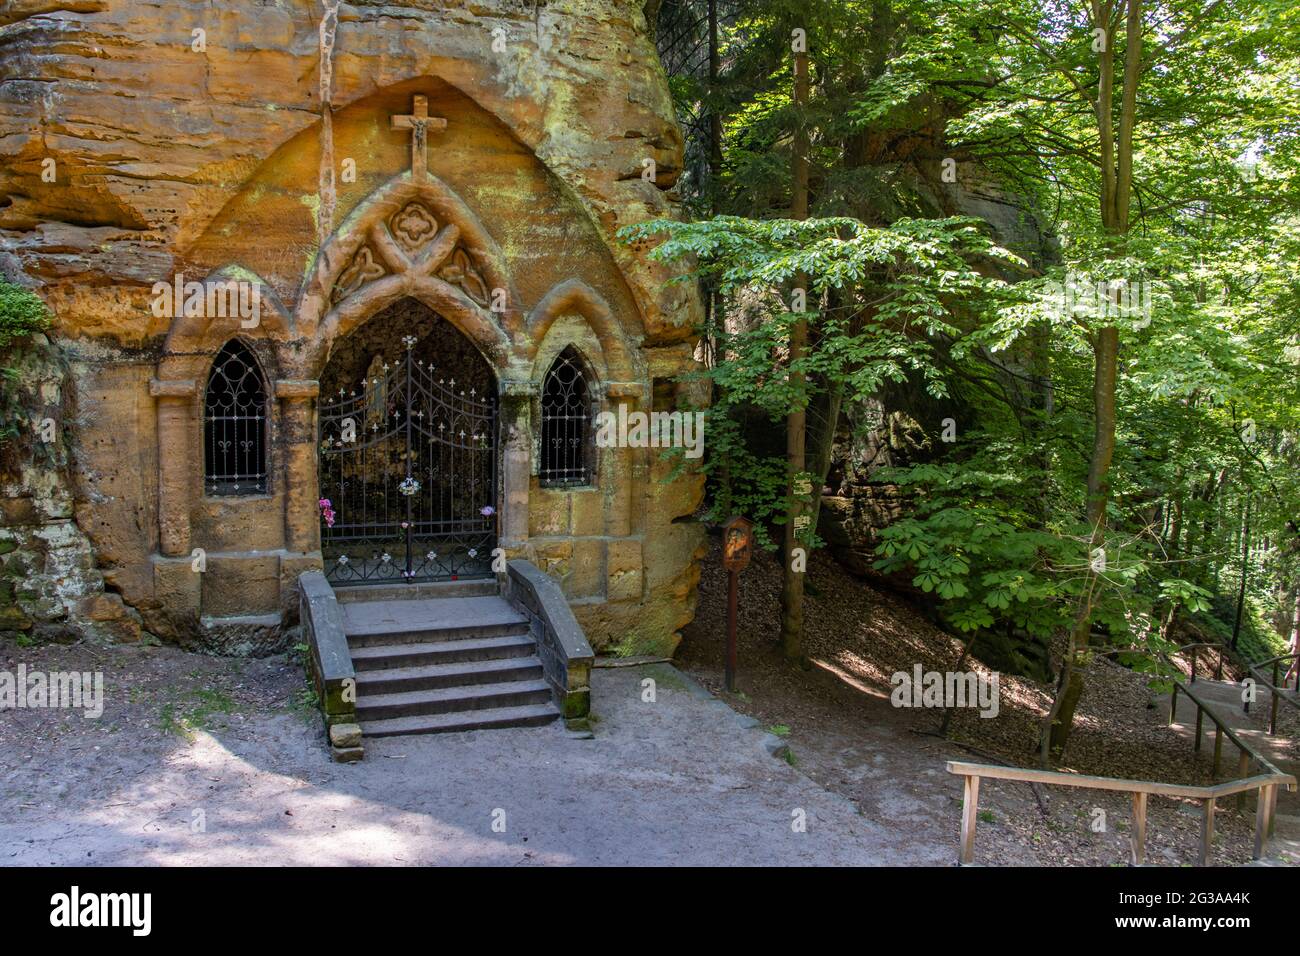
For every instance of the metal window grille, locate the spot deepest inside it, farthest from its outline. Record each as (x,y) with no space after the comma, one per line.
(566,423)
(234,424)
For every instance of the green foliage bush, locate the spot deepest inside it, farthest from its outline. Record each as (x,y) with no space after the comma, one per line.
(21,313)
(877,298)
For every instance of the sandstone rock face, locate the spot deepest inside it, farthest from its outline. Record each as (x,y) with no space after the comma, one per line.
(254,140)
(50,587)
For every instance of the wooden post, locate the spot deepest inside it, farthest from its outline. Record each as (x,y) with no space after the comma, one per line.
(1218,749)
(1200,717)
(1207,830)
(969,801)
(1272,810)
(1173,704)
(1138,855)
(729,666)
(1263,811)
(1243,768)
(1193,680)
(737,546)
(1272,717)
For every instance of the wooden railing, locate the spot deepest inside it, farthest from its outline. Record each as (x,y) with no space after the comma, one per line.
(1277,687)
(1193,648)
(1265,784)
(1245,753)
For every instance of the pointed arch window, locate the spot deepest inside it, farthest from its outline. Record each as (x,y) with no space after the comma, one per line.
(567,452)
(235,424)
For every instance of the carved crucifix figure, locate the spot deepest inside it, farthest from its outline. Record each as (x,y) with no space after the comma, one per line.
(419,122)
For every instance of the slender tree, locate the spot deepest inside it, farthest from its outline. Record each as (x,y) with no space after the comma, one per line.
(796,422)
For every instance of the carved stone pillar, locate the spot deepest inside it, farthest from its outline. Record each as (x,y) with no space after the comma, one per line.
(516,460)
(625,468)
(175,482)
(298,440)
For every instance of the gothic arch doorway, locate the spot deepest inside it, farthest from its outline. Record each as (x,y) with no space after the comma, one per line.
(407,450)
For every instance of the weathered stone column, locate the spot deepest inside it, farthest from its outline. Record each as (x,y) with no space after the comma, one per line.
(298,440)
(175,416)
(626,467)
(516,460)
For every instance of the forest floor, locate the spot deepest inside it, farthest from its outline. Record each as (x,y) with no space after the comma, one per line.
(844,732)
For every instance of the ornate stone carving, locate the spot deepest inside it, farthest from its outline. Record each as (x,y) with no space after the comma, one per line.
(460,271)
(410,242)
(363,268)
(412,226)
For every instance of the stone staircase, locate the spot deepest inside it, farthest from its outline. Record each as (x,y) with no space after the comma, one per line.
(443,657)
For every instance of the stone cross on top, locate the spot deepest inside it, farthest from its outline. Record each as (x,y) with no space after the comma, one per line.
(419,122)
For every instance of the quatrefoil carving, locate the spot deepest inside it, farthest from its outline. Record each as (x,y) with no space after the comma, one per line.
(412,226)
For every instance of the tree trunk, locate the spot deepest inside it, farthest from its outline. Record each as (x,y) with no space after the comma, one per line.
(651,10)
(823,442)
(715,173)
(1172,548)
(1070,689)
(797,420)
(1245,570)
(1116,188)
(1295,633)
(715,113)
(946,723)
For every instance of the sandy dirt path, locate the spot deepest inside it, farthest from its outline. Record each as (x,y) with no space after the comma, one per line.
(681,780)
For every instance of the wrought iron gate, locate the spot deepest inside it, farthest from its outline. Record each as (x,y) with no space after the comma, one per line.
(407,478)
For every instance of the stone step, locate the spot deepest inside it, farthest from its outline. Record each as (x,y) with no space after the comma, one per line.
(445,700)
(530,715)
(459,674)
(388,656)
(473,587)
(429,620)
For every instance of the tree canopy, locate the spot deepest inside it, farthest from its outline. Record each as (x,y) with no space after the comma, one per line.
(1124,356)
